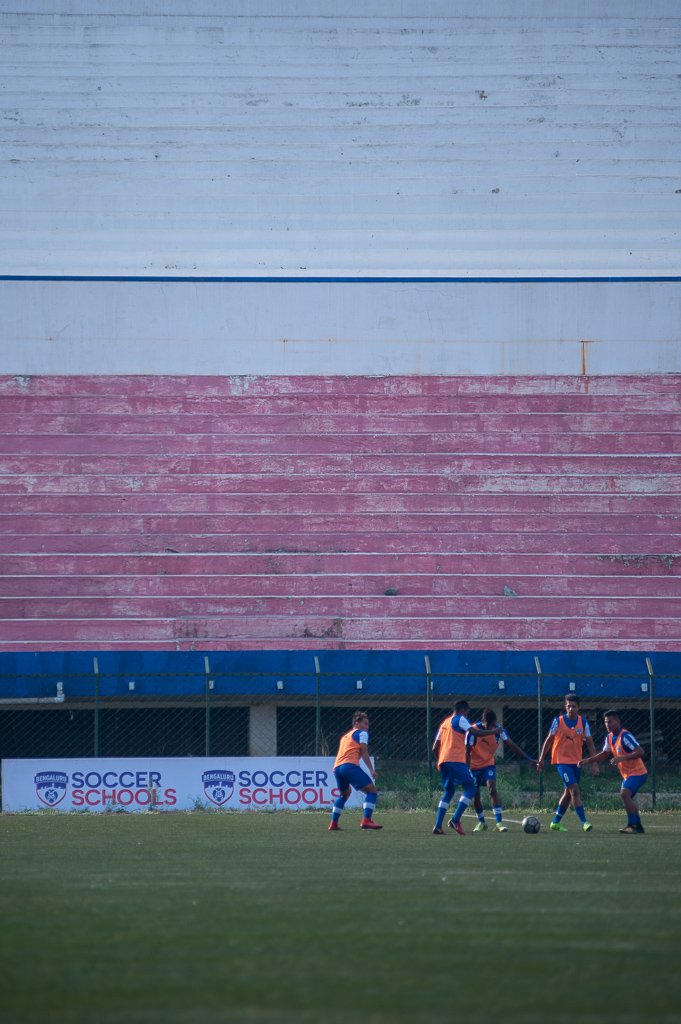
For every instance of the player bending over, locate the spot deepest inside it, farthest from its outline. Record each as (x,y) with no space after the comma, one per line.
(624,751)
(567,735)
(450,750)
(353,748)
(480,754)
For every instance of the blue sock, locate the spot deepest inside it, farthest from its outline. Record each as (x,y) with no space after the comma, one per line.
(581,813)
(442,809)
(445,801)
(637,819)
(560,811)
(337,808)
(481,815)
(369,804)
(461,807)
(497,813)
(631,819)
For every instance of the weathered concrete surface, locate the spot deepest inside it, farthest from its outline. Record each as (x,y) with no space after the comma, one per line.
(319,328)
(171,138)
(245,513)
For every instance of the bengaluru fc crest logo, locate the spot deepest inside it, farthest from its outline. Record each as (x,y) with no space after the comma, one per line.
(218,785)
(51,787)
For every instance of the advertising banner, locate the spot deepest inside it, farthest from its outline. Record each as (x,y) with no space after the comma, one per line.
(170,784)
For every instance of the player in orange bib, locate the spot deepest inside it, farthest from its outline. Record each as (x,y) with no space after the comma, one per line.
(450,749)
(353,748)
(567,735)
(480,754)
(624,751)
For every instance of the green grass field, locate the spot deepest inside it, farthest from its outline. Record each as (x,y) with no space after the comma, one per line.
(268,918)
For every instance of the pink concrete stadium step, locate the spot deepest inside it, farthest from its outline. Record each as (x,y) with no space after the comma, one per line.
(275,503)
(366,406)
(161,446)
(282,562)
(452,464)
(355,544)
(341,584)
(256,523)
(255,387)
(296,480)
(272,503)
(309,421)
(291,632)
(345,607)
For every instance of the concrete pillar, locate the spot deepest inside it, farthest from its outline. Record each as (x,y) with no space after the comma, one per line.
(262,730)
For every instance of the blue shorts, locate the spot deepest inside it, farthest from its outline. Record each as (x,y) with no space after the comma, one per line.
(456,773)
(351,775)
(483,775)
(634,783)
(570,774)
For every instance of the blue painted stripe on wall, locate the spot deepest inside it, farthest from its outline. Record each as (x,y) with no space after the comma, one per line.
(340,280)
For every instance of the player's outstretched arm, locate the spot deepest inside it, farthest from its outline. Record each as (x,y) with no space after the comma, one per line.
(590,746)
(497,731)
(604,754)
(548,743)
(364,756)
(521,753)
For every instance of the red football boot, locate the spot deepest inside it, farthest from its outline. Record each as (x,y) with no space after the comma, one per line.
(437,831)
(456,825)
(368,823)
(335,827)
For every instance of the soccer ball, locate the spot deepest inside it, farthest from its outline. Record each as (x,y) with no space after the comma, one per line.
(530,824)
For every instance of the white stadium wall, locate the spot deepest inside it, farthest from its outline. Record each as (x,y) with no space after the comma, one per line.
(341,327)
(300,307)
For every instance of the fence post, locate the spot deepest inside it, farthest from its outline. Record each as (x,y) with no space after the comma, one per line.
(96,668)
(651,688)
(540,723)
(206,665)
(318,716)
(429,721)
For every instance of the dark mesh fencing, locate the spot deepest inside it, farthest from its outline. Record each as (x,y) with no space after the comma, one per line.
(62,732)
(132,729)
(396,733)
(245,715)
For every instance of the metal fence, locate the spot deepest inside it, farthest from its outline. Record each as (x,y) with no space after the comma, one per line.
(242,714)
